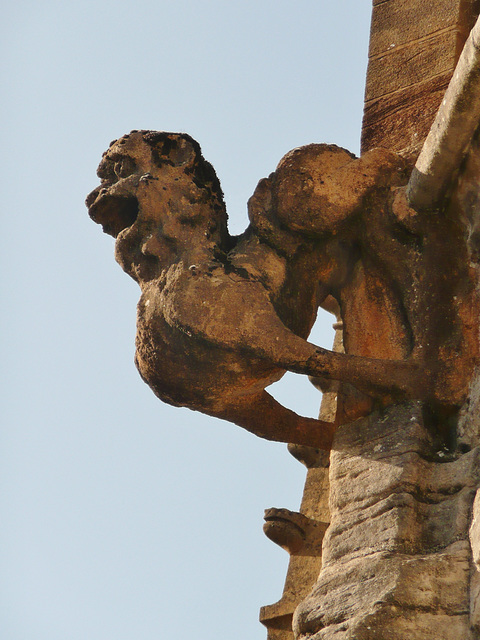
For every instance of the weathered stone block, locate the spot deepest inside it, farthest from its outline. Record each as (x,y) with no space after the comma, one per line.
(402,67)
(396,23)
(401,120)
(396,557)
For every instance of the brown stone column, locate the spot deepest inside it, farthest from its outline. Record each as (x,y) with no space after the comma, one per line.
(414,47)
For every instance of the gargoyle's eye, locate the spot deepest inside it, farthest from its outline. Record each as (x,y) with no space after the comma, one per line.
(124,167)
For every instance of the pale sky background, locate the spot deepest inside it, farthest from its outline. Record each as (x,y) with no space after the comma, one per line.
(121,517)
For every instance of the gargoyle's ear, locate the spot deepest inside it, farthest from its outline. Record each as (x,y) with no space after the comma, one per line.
(262,196)
(260,204)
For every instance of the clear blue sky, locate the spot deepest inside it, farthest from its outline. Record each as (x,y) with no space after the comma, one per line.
(121,517)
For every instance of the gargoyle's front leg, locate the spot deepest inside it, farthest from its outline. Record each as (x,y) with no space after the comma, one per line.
(402,379)
(265,417)
(390,379)
(395,379)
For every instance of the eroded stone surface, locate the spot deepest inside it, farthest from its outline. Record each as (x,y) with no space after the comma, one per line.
(397,557)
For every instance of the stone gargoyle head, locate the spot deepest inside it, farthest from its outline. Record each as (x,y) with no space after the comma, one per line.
(158,197)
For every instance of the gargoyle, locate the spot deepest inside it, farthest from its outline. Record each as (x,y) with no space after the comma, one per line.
(220,318)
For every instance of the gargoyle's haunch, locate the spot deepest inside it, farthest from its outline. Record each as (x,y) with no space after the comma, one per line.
(220,317)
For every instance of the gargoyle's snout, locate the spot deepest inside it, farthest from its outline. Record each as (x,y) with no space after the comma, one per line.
(294,532)
(114,212)
(285,528)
